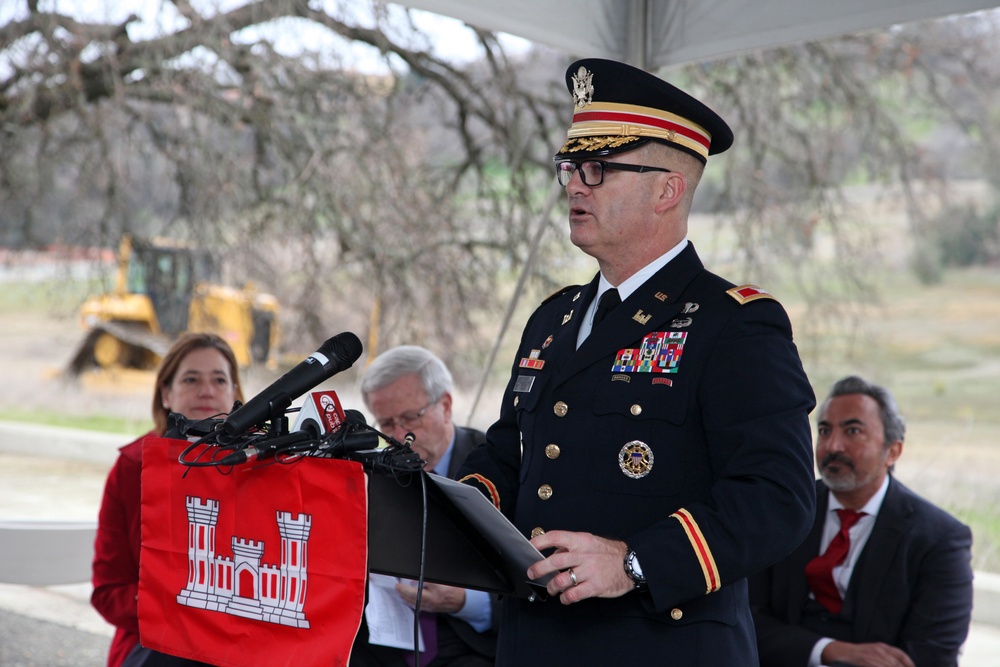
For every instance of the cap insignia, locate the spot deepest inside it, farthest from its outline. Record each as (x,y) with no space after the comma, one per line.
(583,87)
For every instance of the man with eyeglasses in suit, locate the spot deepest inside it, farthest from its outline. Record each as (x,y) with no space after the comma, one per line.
(408,391)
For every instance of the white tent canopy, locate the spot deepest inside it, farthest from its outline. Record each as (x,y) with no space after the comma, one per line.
(653,34)
(656,33)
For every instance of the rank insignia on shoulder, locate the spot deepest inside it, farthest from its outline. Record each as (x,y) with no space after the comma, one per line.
(747,293)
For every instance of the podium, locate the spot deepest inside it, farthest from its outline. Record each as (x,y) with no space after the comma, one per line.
(265,565)
(469,543)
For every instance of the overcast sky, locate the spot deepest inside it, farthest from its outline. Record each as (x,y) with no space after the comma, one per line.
(449,38)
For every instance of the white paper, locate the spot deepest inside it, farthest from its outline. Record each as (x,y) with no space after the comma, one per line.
(390,620)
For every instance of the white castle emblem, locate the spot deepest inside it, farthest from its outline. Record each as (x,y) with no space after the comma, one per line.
(242,585)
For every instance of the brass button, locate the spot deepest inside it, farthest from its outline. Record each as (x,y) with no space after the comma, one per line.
(560,409)
(517,399)
(537,530)
(676,614)
(636,410)
(552,451)
(545,492)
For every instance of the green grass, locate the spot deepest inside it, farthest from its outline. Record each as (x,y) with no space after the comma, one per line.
(985,525)
(102,423)
(56,296)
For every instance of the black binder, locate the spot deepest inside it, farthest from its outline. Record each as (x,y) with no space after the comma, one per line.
(469,542)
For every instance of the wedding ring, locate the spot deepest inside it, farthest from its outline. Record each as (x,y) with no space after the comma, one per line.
(572,577)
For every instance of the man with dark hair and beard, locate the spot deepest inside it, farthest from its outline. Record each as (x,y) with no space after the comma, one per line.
(884,577)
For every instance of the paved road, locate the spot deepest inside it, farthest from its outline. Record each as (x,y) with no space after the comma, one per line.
(29,642)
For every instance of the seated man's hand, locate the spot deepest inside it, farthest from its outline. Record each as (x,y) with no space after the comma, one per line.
(437,598)
(875,654)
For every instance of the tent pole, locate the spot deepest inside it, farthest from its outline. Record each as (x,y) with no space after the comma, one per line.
(637,37)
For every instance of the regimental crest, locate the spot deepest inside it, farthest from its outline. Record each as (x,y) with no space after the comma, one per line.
(243,585)
(635,459)
(583,87)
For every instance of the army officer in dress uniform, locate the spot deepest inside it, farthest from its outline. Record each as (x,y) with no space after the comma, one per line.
(653,440)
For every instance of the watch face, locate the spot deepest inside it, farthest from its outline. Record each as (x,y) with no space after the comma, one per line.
(630,567)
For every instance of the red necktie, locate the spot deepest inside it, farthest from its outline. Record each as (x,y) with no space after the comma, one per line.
(819,571)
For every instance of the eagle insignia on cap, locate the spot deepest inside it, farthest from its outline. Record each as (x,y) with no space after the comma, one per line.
(583,87)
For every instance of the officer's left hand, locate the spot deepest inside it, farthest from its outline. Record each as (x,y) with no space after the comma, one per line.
(437,598)
(596,563)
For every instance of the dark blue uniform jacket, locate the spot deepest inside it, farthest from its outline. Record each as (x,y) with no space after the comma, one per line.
(679,426)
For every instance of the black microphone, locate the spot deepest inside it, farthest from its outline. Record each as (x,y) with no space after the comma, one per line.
(353,436)
(335,355)
(266,448)
(355,418)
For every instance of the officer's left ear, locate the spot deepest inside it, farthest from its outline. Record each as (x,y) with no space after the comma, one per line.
(673,185)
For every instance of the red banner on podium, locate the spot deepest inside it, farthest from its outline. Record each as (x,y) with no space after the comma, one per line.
(263,566)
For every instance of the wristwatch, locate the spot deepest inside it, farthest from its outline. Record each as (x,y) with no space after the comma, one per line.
(634,571)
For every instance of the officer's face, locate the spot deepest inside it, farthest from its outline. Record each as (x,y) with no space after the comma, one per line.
(615,217)
(851,452)
(404,407)
(202,387)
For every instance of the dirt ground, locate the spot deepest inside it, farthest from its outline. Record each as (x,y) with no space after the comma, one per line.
(34,350)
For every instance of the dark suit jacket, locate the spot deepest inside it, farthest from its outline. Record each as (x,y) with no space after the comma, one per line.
(482,644)
(911,588)
(727,487)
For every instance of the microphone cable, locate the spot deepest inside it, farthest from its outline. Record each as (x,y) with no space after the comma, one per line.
(423,559)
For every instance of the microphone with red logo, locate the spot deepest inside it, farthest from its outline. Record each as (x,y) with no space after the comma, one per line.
(320,415)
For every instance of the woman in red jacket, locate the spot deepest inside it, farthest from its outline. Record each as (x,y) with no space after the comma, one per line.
(198,378)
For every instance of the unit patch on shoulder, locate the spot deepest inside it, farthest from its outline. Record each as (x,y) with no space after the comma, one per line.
(747,293)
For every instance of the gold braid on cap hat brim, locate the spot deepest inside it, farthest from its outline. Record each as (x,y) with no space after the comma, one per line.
(589,144)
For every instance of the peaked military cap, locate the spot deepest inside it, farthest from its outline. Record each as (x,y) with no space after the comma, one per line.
(618,108)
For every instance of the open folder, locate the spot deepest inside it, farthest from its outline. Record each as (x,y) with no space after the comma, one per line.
(469,542)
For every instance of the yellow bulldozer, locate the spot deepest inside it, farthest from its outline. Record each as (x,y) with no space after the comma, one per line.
(162,289)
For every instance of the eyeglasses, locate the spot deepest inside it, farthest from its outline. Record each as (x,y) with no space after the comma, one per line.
(407,420)
(592,171)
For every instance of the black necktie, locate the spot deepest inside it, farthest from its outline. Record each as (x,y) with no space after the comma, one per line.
(609,301)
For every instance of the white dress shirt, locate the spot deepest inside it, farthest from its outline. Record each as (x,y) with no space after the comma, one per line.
(859,534)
